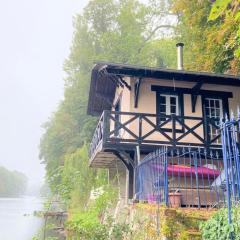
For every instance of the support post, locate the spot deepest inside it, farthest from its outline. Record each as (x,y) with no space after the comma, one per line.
(130,182)
(166,176)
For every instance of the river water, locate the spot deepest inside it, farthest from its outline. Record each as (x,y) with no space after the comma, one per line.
(16,218)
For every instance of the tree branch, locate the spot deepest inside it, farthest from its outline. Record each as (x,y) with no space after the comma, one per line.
(152,34)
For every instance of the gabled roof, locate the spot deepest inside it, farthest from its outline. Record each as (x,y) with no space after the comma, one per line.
(107,76)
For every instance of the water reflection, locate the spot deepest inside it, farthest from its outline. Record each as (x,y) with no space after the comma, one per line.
(16,218)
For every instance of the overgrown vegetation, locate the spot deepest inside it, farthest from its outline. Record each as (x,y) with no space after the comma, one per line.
(96,221)
(217,227)
(174,224)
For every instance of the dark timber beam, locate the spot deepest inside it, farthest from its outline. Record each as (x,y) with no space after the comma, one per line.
(130,167)
(104,74)
(194,102)
(126,156)
(195,92)
(115,79)
(137,85)
(166,74)
(124,82)
(207,93)
(117,154)
(118,80)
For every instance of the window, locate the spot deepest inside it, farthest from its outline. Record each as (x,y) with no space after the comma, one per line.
(214,110)
(169,104)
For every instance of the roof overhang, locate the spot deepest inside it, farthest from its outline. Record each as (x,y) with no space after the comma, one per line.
(107,76)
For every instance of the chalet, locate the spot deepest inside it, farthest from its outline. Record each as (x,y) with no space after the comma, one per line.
(143,109)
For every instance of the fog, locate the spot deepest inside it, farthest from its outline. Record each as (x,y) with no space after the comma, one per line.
(35,38)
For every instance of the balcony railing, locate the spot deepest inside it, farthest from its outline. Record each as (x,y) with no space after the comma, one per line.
(128,129)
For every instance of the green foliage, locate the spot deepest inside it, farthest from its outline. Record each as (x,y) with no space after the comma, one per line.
(119,231)
(211,34)
(193,30)
(12,183)
(77,179)
(87,224)
(218,8)
(217,227)
(228,14)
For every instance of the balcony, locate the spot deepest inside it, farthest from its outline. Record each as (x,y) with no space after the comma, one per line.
(125,130)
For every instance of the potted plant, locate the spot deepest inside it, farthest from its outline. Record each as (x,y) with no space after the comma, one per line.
(175,199)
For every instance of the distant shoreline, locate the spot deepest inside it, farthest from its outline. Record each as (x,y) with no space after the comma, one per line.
(21,197)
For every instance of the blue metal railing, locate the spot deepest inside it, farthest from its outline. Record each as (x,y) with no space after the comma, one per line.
(151,178)
(230,135)
(194,177)
(187,177)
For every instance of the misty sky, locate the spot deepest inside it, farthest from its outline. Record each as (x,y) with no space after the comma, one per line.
(35,36)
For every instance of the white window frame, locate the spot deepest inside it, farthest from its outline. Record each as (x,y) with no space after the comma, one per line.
(168,103)
(212,132)
(220,106)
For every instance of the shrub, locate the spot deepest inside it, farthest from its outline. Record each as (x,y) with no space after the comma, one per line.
(86,224)
(217,227)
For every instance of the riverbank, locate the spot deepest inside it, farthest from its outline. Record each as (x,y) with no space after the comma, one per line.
(53,218)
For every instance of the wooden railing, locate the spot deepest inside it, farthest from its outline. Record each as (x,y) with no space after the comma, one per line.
(97,136)
(151,129)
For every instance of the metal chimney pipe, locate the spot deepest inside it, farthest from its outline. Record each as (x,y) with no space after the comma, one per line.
(179,56)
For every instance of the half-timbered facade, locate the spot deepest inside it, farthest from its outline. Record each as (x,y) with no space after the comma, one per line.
(141,109)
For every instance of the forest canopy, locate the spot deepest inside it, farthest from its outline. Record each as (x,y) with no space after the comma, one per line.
(12,183)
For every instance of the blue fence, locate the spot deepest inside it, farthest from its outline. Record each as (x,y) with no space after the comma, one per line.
(230,136)
(188,177)
(151,178)
(193,177)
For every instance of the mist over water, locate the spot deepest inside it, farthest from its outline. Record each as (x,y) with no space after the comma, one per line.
(35,40)
(16,218)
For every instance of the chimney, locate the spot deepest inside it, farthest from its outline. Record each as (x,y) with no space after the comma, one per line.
(179,56)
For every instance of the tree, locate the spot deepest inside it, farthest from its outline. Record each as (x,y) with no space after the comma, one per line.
(228,13)
(12,183)
(210,45)
(107,30)
(193,29)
